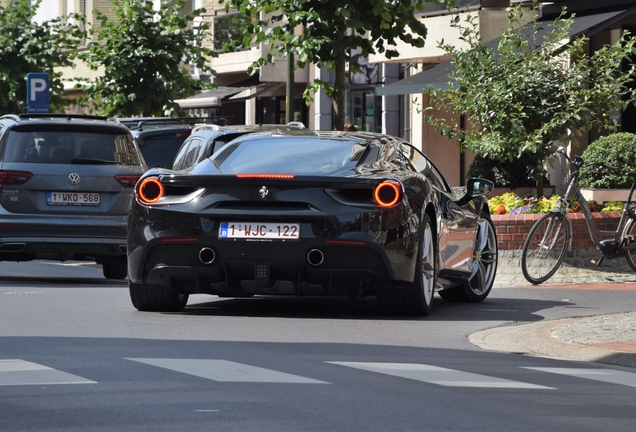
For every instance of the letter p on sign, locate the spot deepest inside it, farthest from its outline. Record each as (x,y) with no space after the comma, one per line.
(37,85)
(37,93)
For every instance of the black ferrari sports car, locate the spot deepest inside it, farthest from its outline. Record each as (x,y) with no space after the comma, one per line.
(310,213)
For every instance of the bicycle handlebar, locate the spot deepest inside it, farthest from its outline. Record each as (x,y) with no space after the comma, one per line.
(578,161)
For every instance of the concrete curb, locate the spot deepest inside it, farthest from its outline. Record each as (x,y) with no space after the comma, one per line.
(537,339)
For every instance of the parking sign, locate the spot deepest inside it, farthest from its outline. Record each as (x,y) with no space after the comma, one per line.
(37,93)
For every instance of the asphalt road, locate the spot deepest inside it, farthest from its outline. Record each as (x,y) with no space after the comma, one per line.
(75,355)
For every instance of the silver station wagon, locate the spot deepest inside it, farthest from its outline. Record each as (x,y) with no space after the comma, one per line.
(66,183)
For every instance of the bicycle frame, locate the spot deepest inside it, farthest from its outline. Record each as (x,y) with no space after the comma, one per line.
(597,236)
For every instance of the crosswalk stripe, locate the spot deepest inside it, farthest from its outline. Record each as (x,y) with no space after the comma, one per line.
(440,376)
(226,371)
(604,375)
(20,372)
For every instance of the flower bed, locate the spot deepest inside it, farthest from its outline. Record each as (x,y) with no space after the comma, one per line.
(511,203)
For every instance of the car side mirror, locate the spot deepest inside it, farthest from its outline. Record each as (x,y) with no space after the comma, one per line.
(477,187)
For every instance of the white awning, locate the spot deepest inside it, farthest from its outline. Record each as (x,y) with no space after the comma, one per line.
(209,98)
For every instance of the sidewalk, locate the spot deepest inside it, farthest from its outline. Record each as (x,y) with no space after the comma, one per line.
(607,339)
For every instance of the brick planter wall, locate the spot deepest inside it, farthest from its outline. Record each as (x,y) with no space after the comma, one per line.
(512,230)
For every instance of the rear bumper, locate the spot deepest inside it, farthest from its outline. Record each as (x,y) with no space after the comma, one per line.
(60,248)
(25,237)
(312,267)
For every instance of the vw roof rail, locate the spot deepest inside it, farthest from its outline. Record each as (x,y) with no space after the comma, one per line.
(63,115)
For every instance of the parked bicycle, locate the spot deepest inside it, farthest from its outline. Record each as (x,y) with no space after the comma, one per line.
(551,236)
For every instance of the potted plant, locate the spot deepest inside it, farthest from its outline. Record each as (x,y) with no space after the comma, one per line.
(618,150)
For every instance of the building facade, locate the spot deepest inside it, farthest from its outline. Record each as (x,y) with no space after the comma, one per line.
(602,23)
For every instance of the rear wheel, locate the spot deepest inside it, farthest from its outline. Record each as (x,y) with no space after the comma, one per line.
(156,298)
(416,298)
(115,270)
(485,258)
(545,247)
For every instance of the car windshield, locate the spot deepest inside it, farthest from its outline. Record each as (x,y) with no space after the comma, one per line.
(70,146)
(289,156)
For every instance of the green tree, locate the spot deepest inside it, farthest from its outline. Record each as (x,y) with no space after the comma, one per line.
(27,46)
(327,32)
(531,89)
(148,57)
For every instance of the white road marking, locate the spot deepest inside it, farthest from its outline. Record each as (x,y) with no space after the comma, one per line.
(440,376)
(20,372)
(604,375)
(226,371)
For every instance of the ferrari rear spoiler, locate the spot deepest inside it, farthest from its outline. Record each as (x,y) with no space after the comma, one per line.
(199,181)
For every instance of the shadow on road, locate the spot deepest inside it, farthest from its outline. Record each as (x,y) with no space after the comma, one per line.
(495,309)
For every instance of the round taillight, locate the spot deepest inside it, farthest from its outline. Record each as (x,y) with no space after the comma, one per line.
(388,193)
(150,190)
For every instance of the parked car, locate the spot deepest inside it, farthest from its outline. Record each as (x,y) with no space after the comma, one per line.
(160,145)
(159,138)
(66,184)
(206,139)
(305,213)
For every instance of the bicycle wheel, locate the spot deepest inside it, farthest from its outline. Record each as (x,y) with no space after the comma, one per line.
(545,247)
(630,255)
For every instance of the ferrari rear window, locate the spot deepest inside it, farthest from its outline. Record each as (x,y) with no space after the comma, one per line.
(289,156)
(70,146)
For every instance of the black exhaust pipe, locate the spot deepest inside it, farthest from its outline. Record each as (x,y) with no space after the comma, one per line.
(315,257)
(207,255)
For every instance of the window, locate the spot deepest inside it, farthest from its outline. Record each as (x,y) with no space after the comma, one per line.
(160,151)
(289,156)
(66,146)
(424,166)
(229,27)
(188,154)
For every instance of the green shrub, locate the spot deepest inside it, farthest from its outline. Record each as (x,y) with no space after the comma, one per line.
(617,150)
(507,174)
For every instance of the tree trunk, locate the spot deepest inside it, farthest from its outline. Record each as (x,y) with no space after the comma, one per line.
(147,109)
(540,185)
(338,97)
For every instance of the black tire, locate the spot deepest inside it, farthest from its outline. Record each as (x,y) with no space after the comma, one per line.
(415,299)
(630,255)
(156,298)
(485,259)
(544,249)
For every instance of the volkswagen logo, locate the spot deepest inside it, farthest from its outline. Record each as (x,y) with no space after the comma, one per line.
(73,178)
(263,191)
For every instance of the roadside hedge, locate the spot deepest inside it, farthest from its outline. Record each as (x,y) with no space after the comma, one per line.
(506,174)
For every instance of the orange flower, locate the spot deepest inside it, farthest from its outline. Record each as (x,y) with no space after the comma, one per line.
(501,209)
